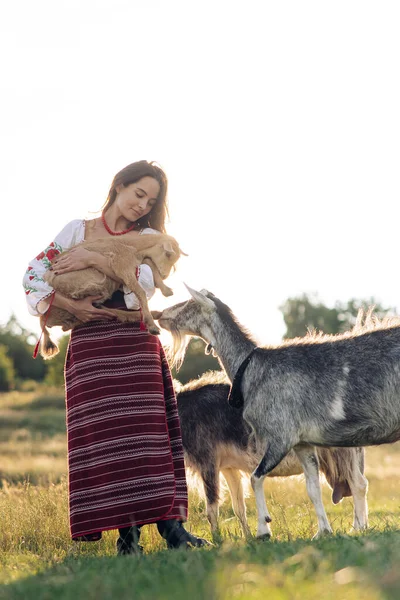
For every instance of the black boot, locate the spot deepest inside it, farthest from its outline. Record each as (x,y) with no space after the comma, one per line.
(128,541)
(176,535)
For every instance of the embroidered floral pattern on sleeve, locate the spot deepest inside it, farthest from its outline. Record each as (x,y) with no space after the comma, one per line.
(31,277)
(49,253)
(45,258)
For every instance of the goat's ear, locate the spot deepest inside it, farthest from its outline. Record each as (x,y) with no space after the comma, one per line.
(168,248)
(200,298)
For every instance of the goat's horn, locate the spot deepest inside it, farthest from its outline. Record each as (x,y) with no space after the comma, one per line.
(200,297)
(183,253)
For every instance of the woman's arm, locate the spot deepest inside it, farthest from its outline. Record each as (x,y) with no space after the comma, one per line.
(79,258)
(37,291)
(83,309)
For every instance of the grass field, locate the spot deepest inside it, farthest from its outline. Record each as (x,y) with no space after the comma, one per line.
(38,559)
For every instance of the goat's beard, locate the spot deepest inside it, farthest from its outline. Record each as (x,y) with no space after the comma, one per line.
(177,350)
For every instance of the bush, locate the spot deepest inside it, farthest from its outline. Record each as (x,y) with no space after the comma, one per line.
(27,385)
(20,344)
(55,366)
(7,371)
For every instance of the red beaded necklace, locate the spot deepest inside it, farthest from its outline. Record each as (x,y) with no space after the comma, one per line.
(111,232)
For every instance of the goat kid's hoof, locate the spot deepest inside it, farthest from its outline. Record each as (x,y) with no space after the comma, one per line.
(168,292)
(153,329)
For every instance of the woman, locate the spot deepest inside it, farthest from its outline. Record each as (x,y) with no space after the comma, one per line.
(125,456)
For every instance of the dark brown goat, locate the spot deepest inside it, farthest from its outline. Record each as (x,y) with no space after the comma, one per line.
(217,440)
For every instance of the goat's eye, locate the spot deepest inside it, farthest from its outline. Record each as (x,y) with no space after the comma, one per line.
(168,254)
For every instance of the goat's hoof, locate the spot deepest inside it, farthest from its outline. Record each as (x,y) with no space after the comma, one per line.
(217,537)
(168,292)
(323,533)
(264,537)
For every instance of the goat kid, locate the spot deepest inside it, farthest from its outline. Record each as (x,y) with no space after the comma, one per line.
(159,251)
(216,439)
(341,390)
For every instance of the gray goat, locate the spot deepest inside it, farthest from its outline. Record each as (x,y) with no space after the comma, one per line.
(216,439)
(341,390)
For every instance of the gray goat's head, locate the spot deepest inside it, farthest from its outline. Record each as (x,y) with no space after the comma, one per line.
(187,319)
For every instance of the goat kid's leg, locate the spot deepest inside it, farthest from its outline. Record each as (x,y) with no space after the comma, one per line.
(233,478)
(158,281)
(309,460)
(147,316)
(122,267)
(359,487)
(275,452)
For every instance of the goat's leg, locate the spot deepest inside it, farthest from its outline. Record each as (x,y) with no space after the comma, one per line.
(309,461)
(210,477)
(359,487)
(234,480)
(122,267)
(158,282)
(275,452)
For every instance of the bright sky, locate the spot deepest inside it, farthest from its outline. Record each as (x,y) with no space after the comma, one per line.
(278,124)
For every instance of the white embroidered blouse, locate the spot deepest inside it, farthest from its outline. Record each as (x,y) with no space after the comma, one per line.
(38,292)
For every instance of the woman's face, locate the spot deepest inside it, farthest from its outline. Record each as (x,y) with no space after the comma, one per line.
(137,199)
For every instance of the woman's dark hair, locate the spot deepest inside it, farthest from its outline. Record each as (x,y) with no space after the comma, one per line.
(131,174)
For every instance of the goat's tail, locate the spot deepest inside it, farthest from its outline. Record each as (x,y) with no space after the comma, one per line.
(48,348)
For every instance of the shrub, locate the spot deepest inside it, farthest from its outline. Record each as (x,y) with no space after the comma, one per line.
(7,371)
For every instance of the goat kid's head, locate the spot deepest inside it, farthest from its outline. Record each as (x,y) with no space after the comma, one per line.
(165,255)
(186,319)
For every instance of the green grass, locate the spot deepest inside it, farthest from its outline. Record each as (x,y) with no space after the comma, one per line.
(32,437)
(38,559)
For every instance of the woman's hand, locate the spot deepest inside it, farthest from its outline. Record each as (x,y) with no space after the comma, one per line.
(85,311)
(76,259)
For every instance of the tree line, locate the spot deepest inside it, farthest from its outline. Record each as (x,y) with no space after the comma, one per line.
(18,369)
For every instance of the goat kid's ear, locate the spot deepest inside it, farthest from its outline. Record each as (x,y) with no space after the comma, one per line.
(200,297)
(168,247)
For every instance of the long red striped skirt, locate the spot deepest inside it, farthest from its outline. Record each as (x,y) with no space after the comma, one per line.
(125,456)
